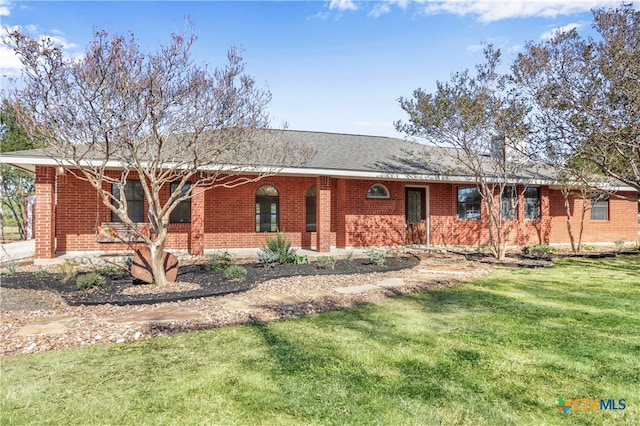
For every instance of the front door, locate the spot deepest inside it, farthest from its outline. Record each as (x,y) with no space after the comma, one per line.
(416,216)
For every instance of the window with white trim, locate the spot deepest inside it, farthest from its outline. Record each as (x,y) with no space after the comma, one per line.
(532,203)
(600,209)
(378,190)
(267,209)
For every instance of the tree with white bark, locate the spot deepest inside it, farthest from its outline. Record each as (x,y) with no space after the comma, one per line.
(157,116)
(482,118)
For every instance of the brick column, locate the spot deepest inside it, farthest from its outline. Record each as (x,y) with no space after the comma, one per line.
(44,214)
(196,244)
(323,214)
(341,213)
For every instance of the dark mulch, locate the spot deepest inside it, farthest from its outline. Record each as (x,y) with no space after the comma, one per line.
(212,283)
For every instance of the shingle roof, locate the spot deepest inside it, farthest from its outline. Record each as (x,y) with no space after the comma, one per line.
(338,155)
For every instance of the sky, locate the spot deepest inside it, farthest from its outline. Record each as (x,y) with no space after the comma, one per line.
(335,66)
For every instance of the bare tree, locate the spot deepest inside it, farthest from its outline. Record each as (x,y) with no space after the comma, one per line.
(482,119)
(584,95)
(162,119)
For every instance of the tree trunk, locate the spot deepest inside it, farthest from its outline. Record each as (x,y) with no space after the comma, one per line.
(157,263)
(567,207)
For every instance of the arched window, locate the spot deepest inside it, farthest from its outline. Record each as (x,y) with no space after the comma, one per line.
(311,209)
(378,191)
(267,209)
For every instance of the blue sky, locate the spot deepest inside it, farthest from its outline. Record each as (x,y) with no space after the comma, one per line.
(332,66)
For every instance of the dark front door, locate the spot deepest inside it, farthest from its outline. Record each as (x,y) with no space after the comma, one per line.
(416,216)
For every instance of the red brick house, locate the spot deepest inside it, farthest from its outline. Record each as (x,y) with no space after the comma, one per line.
(357,191)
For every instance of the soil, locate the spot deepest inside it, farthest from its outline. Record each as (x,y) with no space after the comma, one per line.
(99,315)
(193,281)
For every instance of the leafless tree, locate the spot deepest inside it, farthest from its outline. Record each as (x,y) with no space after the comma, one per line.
(482,119)
(584,95)
(156,115)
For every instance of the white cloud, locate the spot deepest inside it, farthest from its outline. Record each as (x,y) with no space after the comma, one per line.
(475,48)
(343,5)
(4,8)
(379,10)
(10,65)
(564,29)
(495,10)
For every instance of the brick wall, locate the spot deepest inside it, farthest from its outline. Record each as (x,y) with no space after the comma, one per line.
(225,218)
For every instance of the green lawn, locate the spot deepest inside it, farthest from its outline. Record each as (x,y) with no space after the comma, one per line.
(500,350)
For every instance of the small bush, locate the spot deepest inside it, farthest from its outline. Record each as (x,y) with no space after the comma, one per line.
(12,268)
(636,247)
(587,247)
(277,250)
(220,261)
(109,269)
(41,274)
(267,257)
(234,272)
(349,256)
(67,270)
(377,257)
(539,250)
(325,262)
(90,280)
(619,244)
(300,260)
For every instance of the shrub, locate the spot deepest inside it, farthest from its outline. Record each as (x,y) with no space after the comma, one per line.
(377,257)
(267,257)
(234,272)
(539,250)
(90,280)
(12,268)
(67,269)
(109,269)
(325,262)
(300,260)
(636,247)
(619,244)
(220,261)
(277,250)
(349,256)
(42,274)
(588,247)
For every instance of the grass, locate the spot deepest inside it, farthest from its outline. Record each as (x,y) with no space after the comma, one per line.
(500,350)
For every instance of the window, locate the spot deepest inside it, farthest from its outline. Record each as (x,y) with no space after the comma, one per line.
(600,209)
(378,191)
(532,203)
(134,195)
(509,203)
(469,203)
(182,212)
(267,209)
(311,209)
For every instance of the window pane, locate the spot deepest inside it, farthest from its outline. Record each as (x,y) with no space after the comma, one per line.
(182,212)
(509,203)
(468,203)
(600,210)
(134,195)
(532,203)
(378,191)
(267,209)
(311,209)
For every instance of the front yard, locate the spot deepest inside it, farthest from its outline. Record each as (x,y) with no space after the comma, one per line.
(499,350)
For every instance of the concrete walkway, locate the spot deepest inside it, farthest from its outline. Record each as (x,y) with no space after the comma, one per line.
(17,251)
(59,324)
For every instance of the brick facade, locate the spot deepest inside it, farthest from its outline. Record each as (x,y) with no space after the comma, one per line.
(68,212)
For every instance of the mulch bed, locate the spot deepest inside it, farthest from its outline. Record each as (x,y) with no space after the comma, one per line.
(211,283)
